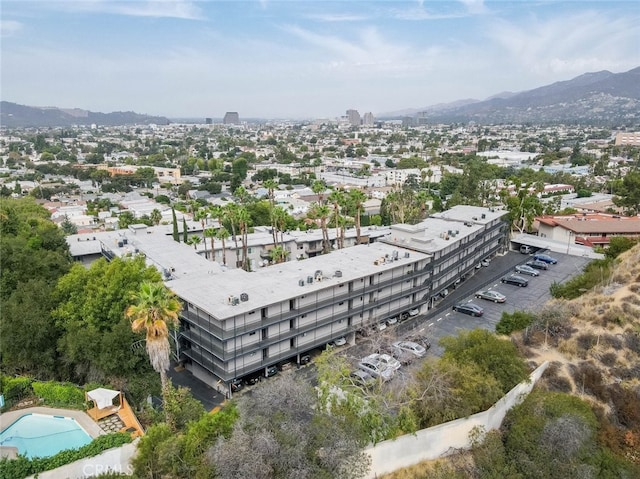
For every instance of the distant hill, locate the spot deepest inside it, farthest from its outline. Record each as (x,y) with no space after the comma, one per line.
(14,115)
(600,98)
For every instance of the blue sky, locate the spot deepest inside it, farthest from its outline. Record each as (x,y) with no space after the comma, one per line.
(301,59)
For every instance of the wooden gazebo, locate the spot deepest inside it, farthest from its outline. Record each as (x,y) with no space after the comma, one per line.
(102,399)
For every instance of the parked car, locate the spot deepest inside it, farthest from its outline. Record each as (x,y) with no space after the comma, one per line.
(236,384)
(376,369)
(534,263)
(515,280)
(305,359)
(385,359)
(392,321)
(362,378)
(410,347)
(382,326)
(491,295)
(271,371)
(525,249)
(526,269)
(468,308)
(414,312)
(485,262)
(340,341)
(545,257)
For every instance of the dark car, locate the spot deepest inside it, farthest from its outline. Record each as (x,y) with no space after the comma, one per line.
(534,263)
(545,257)
(271,371)
(515,280)
(524,269)
(236,384)
(469,308)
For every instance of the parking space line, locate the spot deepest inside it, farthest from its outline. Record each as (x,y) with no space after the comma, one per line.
(447,314)
(430,324)
(439,319)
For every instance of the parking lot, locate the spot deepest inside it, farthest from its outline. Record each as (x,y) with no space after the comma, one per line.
(443,321)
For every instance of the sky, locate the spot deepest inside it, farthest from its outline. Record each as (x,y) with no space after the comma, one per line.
(301,59)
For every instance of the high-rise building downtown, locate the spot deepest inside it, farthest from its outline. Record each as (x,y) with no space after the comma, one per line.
(231,118)
(353,117)
(368,119)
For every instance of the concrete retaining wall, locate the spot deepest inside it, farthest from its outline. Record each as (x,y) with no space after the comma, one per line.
(438,441)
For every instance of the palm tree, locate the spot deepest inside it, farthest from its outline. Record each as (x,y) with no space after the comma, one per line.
(337,199)
(357,198)
(243,224)
(222,234)
(210,233)
(322,212)
(318,187)
(195,241)
(154,311)
(271,185)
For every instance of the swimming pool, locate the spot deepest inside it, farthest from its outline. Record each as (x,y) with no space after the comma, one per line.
(39,435)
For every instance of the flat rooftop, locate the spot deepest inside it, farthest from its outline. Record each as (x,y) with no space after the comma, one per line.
(210,290)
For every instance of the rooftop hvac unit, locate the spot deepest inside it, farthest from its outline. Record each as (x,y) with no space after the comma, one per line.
(124,241)
(483,216)
(395,254)
(407,254)
(318,275)
(301,282)
(309,279)
(244,297)
(338,274)
(233,300)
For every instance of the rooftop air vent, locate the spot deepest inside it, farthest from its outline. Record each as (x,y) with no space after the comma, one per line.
(244,297)
(309,279)
(483,216)
(407,254)
(301,282)
(338,274)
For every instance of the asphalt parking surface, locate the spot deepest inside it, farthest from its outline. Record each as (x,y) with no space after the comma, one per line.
(442,321)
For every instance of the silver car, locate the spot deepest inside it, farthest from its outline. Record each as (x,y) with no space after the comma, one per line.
(410,347)
(376,369)
(385,359)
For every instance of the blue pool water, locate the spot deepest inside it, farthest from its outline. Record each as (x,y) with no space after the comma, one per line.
(38,435)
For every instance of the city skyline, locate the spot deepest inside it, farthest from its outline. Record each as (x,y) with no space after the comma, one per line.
(280,59)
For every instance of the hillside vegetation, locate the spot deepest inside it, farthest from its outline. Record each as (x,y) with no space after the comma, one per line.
(583,418)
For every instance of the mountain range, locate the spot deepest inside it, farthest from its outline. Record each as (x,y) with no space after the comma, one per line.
(600,98)
(14,115)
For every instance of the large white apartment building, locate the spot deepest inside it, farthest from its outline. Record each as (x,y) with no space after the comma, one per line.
(236,323)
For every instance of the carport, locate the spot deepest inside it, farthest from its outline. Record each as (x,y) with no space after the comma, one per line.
(538,243)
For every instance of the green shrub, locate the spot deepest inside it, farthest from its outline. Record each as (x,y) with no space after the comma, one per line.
(595,273)
(16,388)
(514,322)
(59,394)
(22,466)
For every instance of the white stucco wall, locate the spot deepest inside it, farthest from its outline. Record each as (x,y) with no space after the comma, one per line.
(438,441)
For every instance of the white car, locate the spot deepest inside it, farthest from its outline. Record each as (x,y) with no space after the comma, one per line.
(385,359)
(392,321)
(414,312)
(376,369)
(340,341)
(382,326)
(411,347)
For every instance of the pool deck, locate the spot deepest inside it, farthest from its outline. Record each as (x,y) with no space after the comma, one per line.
(81,417)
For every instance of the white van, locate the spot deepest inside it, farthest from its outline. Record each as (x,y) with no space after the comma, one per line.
(525,249)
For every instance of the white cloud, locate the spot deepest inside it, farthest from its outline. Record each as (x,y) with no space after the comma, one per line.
(182,9)
(9,28)
(570,44)
(474,6)
(337,17)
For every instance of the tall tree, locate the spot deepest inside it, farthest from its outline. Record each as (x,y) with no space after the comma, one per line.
(210,233)
(176,236)
(337,199)
(155,216)
(222,234)
(155,309)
